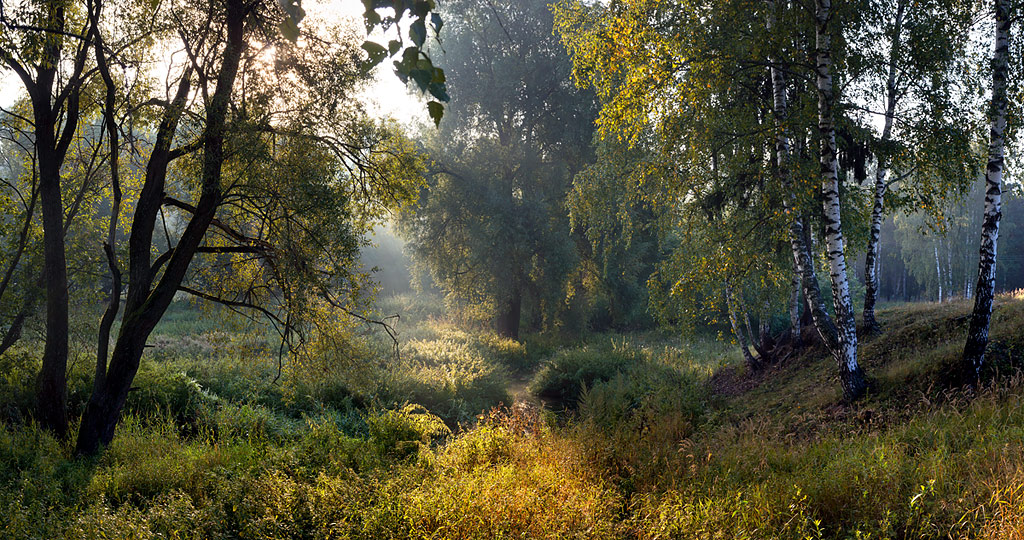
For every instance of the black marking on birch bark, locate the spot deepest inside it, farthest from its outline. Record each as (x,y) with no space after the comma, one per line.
(850,373)
(973,357)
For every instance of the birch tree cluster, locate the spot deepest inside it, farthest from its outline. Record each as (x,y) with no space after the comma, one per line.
(789,146)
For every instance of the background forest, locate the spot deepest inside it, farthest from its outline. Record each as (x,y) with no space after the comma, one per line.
(632,269)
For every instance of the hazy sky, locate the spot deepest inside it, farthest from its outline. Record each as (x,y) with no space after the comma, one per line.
(386,97)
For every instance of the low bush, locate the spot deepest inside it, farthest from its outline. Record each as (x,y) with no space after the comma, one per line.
(400,433)
(450,376)
(563,377)
(655,449)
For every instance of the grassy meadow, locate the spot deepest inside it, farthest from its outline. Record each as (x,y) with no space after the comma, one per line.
(468,435)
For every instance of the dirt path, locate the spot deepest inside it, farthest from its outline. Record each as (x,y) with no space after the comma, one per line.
(518,387)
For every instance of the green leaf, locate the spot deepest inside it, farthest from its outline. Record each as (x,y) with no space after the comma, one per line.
(394,46)
(289,29)
(376,52)
(436,111)
(422,78)
(370,17)
(403,75)
(436,22)
(418,32)
(439,91)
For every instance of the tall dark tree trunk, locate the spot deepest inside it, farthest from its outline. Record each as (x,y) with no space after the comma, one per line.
(51,384)
(845,353)
(55,115)
(508,320)
(977,335)
(145,306)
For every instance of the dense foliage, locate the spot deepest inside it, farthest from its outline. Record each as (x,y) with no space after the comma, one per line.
(642,269)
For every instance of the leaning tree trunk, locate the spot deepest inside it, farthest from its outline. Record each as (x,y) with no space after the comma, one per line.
(846,353)
(145,306)
(114,300)
(13,332)
(877,209)
(977,335)
(737,329)
(799,238)
(761,343)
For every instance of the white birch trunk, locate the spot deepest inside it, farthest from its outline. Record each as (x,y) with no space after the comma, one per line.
(950,287)
(977,335)
(794,309)
(799,240)
(849,371)
(877,210)
(730,305)
(938,269)
(763,323)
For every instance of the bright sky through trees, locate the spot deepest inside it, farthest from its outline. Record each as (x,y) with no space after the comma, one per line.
(387,96)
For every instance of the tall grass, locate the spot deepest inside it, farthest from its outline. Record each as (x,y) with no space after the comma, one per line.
(658,439)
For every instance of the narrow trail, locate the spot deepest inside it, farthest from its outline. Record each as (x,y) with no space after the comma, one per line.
(518,388)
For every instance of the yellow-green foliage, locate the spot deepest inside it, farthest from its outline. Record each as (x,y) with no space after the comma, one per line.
(508,478)
(565,376)
(675,445)
(453,373)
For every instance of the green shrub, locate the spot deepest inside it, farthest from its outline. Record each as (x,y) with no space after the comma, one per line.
(563,377)
(99,522)
(18,369)
(164,388)
(449,376)
(486,445)
(403,432)
(325,448)
(149,458)
(252,422)
(501,479)
(273,506)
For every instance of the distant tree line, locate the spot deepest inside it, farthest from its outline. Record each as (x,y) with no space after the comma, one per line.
(723,162)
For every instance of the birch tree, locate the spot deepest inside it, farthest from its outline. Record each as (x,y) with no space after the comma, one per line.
(881,185)
(973,357)
(697,77)
(913,82)
(799,238)
(850,373)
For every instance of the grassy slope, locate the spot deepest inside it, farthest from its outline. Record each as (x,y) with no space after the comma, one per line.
(659,448)
(914,459)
